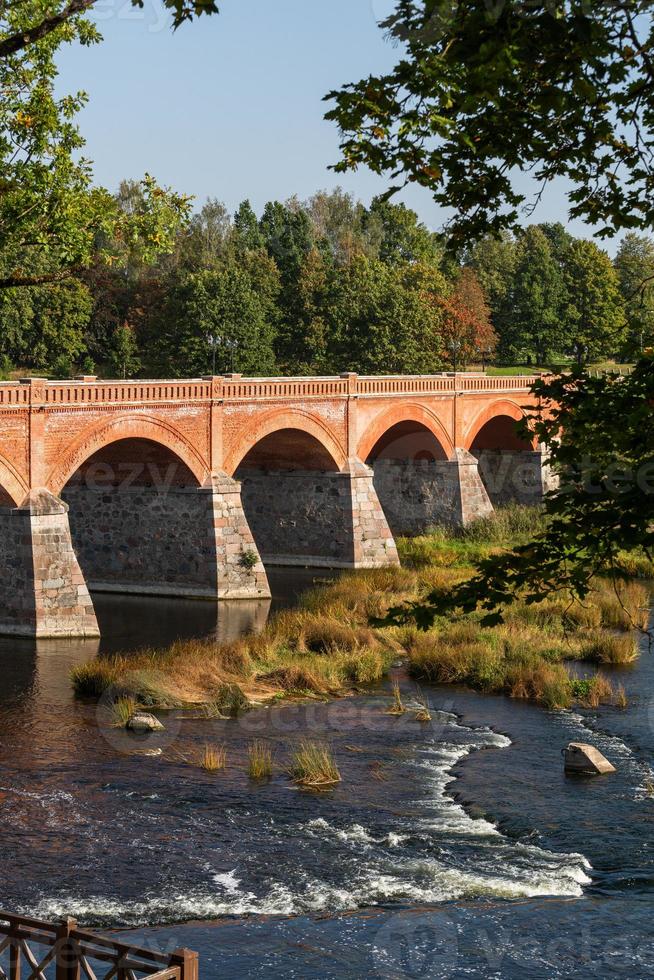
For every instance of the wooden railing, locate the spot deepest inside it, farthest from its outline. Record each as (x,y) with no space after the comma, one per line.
(35,950)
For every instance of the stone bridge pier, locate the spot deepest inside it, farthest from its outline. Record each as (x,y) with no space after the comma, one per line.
(191,488)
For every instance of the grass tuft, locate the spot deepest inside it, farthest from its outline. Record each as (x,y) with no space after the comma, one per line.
(122,710)
(610,648)
(92,679)
(213,758)
(313,766)
(397,707)
(621,699)
(260,763)
(423,714)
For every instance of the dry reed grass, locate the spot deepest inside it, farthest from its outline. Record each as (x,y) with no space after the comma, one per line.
(260,761)
(313,766)
(213,758)
(328,647)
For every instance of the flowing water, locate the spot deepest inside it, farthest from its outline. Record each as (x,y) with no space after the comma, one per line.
(452,849)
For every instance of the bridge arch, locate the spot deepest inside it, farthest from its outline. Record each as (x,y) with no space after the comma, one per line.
(13,488)
(308,430)
(140,509)
(400,416)
(511,467)
(495,424)
(128,427)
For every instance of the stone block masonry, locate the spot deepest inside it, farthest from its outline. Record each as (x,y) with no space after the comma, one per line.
(42,588)
(515,477)
(310,517)
(192,542)
(419,494)
(169,518)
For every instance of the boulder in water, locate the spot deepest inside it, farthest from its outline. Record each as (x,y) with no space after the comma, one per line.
(142,721)
(586,759)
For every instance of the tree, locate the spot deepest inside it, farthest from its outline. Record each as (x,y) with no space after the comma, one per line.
(313,291)
(467,329)
(44,327)
(204,241)
(532,321)
(247,234)
(39,20)
(556,88)
(595,309)
(53,222)
(386,319)
(338,225)
(229,311)
(600,439)
(402,236)
(634,265)
(124,353)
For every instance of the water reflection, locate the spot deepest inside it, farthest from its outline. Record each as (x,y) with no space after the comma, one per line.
(35,673)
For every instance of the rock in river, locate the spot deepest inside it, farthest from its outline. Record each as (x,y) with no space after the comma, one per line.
(583,758)
(144,722)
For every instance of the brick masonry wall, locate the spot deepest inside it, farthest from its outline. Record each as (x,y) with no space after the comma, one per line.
(320,518)
(42,588)
(179,541)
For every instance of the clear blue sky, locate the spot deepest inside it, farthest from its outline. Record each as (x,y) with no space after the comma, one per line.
(231,106)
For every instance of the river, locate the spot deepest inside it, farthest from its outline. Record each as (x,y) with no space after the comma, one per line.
(455,849)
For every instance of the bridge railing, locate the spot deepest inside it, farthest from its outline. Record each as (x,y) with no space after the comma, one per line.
(61,951)
(90,392)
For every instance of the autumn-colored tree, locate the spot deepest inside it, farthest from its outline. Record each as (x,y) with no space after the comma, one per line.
(467,329)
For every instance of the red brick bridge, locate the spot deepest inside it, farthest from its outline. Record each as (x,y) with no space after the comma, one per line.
(192,487)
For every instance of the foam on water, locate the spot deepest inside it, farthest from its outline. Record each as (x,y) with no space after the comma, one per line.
(440,853)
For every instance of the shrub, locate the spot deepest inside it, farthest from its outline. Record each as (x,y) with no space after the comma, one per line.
(231,701)
(248,559)
(366,667)
(295,677)
(325,636)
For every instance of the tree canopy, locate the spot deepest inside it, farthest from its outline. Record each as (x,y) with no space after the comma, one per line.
(555,88)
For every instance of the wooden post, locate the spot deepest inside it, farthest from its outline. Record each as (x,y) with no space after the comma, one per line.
(188,962)
(14,961)
(68,965)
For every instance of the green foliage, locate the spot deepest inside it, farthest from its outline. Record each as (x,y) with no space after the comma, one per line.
(230,309)
(634,265)
(559,89)
(43,327)
(124,358)
(594,308)
(248,559)
(53,222)
(598,433)
(535,299)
